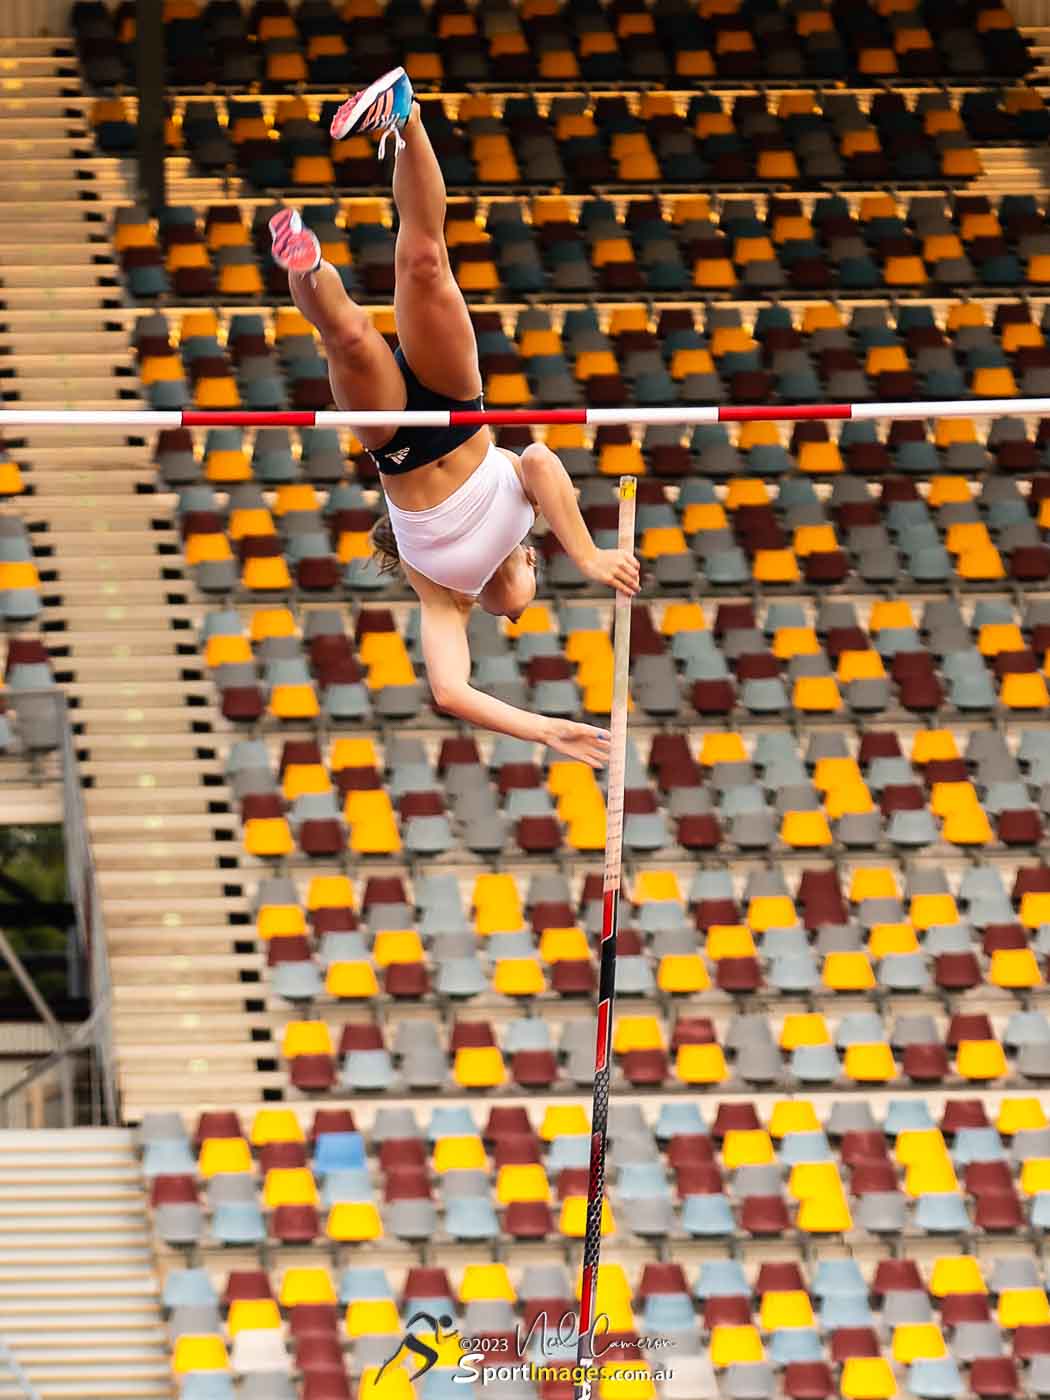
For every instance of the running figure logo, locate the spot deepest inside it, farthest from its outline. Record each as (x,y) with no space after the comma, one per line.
(417,1346)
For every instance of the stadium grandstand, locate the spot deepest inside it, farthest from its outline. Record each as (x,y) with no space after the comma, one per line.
(298,1045)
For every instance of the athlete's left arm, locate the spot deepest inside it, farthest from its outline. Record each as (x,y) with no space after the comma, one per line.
(549,487)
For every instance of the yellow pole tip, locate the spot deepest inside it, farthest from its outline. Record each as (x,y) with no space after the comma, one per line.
(628,486)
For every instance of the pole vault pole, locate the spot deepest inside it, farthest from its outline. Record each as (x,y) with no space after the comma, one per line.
(592,1240)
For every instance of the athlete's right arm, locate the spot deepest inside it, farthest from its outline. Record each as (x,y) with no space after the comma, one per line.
(446,654)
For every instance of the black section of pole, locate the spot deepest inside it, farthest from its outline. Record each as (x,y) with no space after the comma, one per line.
(150,80)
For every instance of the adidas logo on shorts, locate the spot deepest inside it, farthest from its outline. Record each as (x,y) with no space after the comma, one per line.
(399,456)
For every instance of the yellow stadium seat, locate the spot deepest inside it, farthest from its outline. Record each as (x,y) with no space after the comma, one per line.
(397,946)
(268,838)
(694,63)
(572,1220)
(275,1125)
(518,977)
(459,1154)
(952,430)
(825,1214)
(816,695)
(867,1377)
(994,382)
(872,882)
(820,458)
(289,1186)
(280,920)
(713,274)
(1023,1307)
(890,613)
(729,941)
(266,575)
(1014,969)
(391,1384)
(735,1346)
(1035,1175)
(722,747)
(306,1038)
(479,1067)
(564,945)
(791,1308)
(833,772)
(931,744)
(915,1145)
(795,641)
(848,972)
(486,1282)
(637,1033)
(661,540)
(200,549)
(981,1060)
(701,1064)
(253,1315)
(222,1156)
(869,1064)
(815,539)
(700,516)
(294,702)
(351,981)
(1024,692)
(775,566)
(564,1120)
(926,910)
(793,1116)
(805,830)
(956,1273)
(333,891)
(682,973)
(771,911)
(803,1028)
(306,1285)
(1017,1114)
(967,826)
(1035,909)
(888,939)
(747,1147)
(961,163)
(354,1222)
(206,1352)
(372,1317)
(373,827)
(527,1182)
(301,778)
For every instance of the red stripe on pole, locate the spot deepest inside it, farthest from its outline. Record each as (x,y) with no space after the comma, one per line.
(478,417)
(586,1298)
(767,413)
(609,912)
(602,1038)
(223,418)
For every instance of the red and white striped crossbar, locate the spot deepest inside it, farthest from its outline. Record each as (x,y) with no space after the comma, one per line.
(685,415)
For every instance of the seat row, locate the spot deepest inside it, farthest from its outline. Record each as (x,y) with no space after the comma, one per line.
(328,46)
(954,1315)
(663,252)
(660,137)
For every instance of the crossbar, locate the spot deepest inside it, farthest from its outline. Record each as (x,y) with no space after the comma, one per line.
(685,414)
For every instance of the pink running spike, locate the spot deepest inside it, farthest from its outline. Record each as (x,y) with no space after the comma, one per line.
(295,248)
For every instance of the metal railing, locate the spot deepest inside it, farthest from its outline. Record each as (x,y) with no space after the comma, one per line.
(8,1358)
(42,725)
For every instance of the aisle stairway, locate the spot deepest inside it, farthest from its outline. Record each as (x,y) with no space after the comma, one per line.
(79,1307)
(115,594)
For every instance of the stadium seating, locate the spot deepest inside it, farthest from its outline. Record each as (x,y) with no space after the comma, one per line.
(746,245)
(828,1148)
(327,46)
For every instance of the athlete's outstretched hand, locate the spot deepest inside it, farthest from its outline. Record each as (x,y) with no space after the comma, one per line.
(616,568)
(580,741)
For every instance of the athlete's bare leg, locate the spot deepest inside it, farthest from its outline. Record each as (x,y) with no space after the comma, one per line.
(433,324)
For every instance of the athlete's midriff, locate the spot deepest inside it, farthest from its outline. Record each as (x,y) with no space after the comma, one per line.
(433,483)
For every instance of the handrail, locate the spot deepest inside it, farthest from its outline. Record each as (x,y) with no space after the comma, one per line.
(29,1390)
(87,906)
